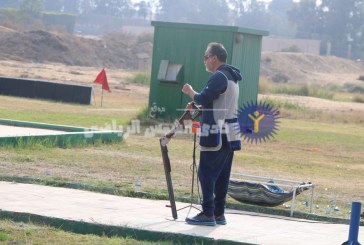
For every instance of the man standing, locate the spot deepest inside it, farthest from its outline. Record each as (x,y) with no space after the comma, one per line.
(220,133)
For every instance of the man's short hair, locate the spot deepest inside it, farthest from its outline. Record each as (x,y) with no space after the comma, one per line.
(219,50)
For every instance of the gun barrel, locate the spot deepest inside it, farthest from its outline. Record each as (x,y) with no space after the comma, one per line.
(167,170)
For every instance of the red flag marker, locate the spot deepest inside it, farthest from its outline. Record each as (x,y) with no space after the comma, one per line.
(102,79)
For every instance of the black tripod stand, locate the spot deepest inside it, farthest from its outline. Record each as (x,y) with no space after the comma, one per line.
(195,127)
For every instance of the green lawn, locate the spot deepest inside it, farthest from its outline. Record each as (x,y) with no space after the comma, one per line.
(328,154)
(27,233)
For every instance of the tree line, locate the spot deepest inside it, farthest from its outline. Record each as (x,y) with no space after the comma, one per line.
(338,24)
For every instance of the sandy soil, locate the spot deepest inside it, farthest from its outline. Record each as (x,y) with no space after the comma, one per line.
(127,52)
(119,86)
(319,104)
(311,69)
(116,50)
(117,78)
(74,59)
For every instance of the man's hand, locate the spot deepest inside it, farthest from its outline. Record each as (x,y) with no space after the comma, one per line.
(192,111)
(187,89)
(188,106)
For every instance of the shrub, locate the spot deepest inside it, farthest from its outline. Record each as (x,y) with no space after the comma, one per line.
(280,78)
(323,93)
(145,37)
(352,88)
(3,236)
(358,98)
(140,78)
(263,85)
(67,21)
(267,60)
(281,104)
(301,90)
(293,49)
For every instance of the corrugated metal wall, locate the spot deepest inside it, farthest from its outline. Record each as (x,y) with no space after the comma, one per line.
(186,44)
(246,56)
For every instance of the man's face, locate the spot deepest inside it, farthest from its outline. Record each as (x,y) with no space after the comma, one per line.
(208,60)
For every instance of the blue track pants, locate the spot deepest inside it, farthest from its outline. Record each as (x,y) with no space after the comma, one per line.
(214,174)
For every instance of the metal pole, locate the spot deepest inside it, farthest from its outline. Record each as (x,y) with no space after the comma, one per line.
(93,95)
(292,203)
(193,166)
(102,96)
(354,224)
(311,203)
(267,178)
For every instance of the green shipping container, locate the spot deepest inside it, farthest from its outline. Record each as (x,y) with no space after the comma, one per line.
(178,59)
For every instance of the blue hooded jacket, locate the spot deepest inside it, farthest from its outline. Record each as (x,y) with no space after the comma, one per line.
(216,85)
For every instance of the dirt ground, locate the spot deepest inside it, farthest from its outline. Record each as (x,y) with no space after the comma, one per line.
(69,58)
(320,104)
(114,50)
(128,52)
(311,69)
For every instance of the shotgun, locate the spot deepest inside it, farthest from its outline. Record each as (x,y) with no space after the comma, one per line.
(191,113)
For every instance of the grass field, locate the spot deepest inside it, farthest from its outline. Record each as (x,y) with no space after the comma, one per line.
(25,233)
(319,140)
(319,146)
(325,153)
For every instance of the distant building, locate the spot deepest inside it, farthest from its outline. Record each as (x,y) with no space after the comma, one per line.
(137,26)
(101,24)
(136,30)
(280,44)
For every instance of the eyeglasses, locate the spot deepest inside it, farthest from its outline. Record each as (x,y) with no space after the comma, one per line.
(206,56)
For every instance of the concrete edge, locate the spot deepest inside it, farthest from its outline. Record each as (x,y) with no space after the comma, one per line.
(145,195)
(82,227)
(18,123)
(72,136)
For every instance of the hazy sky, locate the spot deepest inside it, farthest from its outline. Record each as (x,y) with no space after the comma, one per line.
(137,1)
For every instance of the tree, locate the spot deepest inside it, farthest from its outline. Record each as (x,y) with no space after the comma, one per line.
(343,26)
(280,6)
(198,11)
(119,8)
(254,16)
(64,6)
(32,8)
(335,22)
(357,30)
(237,7)
(143,9)
(87,6)
(213,12)
(278,23)
(305,15)
(9,3)
(177,10)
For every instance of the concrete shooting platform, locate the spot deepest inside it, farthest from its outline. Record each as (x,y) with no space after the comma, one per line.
(88,209)
(8,131)
(14,132)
